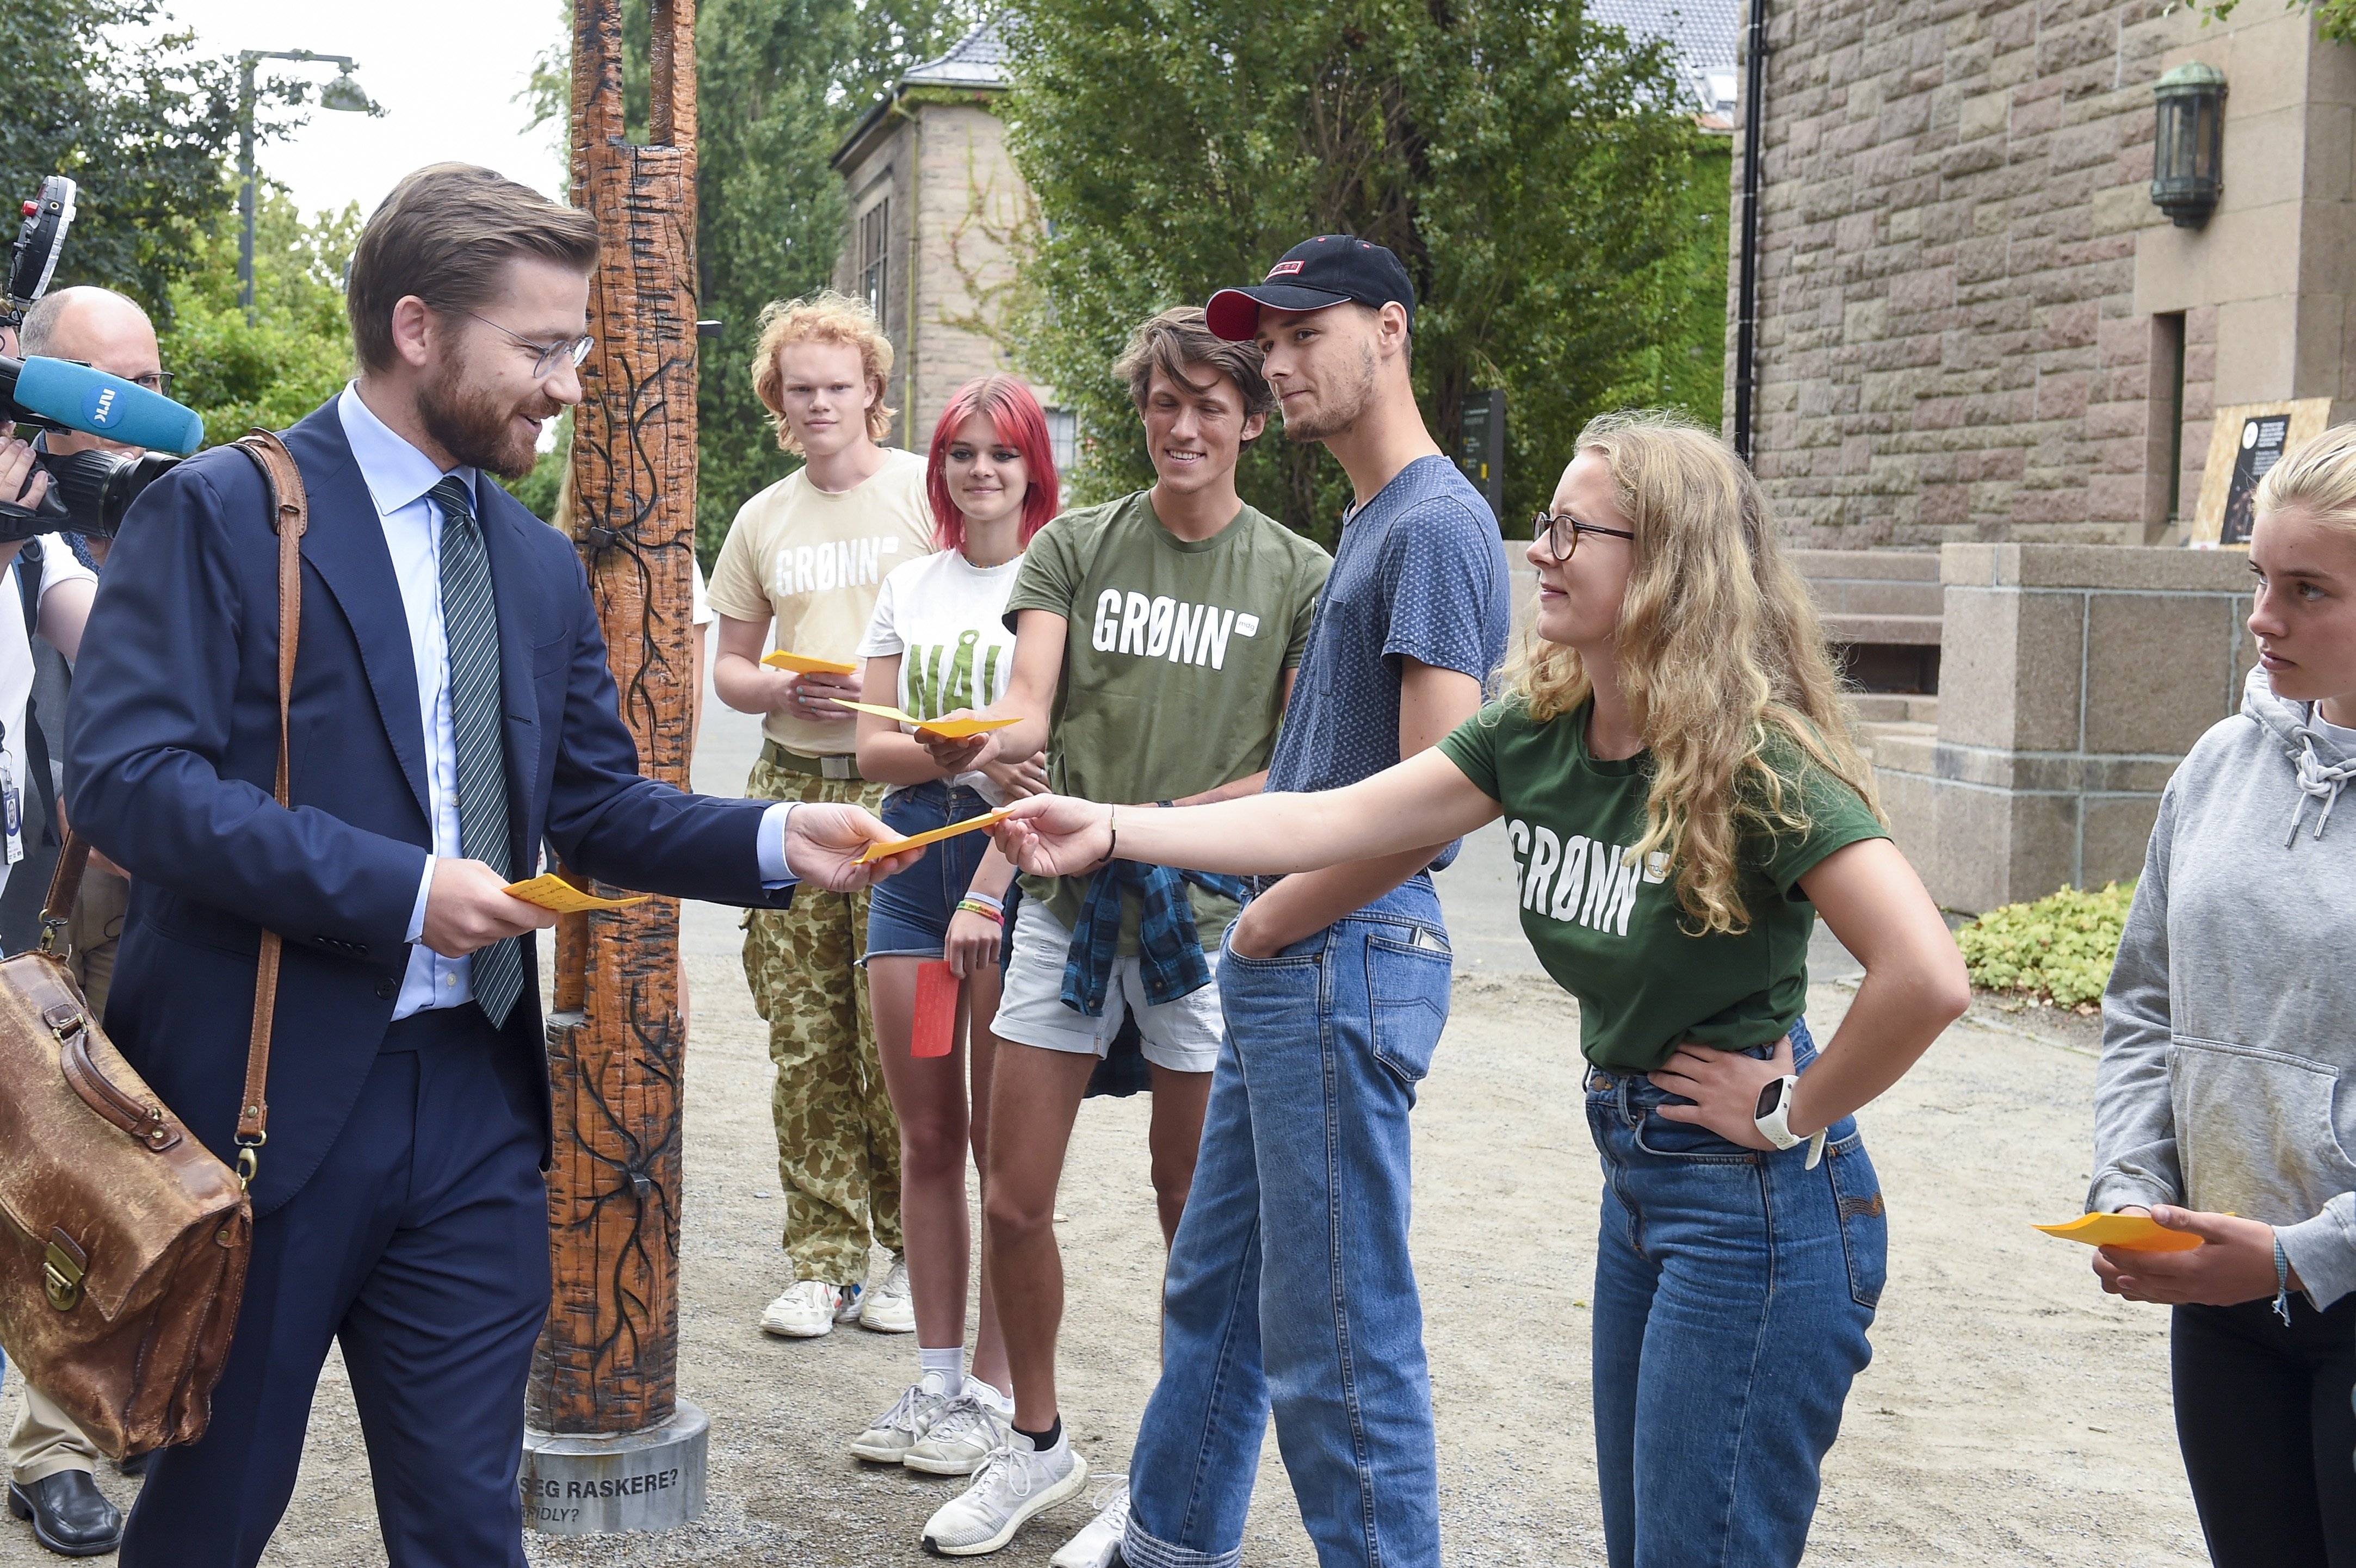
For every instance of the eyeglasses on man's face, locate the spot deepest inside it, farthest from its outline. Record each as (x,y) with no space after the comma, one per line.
(157,381)
(1561,534)
(548,355)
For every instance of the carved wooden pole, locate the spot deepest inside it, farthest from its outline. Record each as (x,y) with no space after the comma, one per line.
(613,1446)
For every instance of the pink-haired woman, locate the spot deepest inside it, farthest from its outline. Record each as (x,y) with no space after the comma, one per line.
(938,643)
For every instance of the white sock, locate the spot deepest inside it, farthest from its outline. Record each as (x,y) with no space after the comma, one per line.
(948,1365)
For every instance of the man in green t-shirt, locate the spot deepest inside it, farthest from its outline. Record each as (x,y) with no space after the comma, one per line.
(1155,641)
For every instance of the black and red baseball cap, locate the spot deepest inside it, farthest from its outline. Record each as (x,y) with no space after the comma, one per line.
(1330,270)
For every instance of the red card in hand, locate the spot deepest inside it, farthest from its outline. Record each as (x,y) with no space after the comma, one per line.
(936,1003)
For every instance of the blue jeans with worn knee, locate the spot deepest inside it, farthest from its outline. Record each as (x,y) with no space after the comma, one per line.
(1289,1284)
(1733,1288)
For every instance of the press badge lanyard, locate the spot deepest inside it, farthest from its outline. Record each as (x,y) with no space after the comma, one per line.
(11,800)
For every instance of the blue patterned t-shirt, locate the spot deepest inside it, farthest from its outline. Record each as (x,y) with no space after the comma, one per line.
(1421,575)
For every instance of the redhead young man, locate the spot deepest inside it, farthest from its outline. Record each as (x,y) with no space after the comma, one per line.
(807,556)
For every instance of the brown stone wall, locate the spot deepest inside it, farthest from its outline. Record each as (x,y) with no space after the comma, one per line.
(1960,261)
(970,204)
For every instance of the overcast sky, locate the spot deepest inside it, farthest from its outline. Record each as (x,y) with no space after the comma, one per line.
(446,72)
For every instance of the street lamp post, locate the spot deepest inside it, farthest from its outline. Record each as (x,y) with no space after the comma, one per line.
(343,93)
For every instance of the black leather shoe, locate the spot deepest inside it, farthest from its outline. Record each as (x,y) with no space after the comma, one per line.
(134,1465)
(70,1516)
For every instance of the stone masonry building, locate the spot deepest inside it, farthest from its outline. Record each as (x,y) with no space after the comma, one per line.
(1987,371)
(1972,321)
(935,205)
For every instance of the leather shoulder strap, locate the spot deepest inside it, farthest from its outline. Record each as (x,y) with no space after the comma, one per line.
(290,518)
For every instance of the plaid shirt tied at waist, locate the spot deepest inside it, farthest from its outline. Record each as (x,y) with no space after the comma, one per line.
(1169,954)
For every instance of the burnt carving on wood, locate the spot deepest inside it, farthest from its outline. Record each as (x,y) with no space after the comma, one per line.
(609,1358)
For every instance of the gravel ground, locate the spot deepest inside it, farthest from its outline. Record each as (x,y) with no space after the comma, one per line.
(2013,1413)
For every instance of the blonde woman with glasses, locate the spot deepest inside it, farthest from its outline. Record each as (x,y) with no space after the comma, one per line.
(1672,758)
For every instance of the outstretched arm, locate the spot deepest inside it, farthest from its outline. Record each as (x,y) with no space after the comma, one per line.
(1434,700)
(1423,800)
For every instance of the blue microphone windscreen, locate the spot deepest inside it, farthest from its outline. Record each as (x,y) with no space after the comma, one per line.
(82,399)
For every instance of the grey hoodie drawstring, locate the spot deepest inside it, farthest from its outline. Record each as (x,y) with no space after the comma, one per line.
(2319,782)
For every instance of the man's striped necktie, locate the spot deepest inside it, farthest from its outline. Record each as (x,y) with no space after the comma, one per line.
(471,632)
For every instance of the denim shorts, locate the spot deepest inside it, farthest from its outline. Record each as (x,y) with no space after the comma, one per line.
(909,914)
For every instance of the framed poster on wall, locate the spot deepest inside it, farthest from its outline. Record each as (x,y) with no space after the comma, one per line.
(2244,442)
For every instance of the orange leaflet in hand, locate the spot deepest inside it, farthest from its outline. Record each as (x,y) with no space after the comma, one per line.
(2128,1232)
(877,851)
(552,892)
(933,1032)
(802,664)
(954,729)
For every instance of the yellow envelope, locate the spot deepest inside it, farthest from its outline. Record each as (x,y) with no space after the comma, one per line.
(874,853)
(802,664)
(552,892)
(954,729)
(2130,1232)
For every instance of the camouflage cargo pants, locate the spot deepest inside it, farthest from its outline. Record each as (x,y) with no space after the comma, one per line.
(838,1140)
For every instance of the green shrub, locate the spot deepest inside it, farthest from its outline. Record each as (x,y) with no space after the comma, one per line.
(2059,948)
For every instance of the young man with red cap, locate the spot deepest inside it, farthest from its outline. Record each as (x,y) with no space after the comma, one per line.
(1289,1282)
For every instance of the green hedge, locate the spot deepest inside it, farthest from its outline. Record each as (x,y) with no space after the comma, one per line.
(2061,947)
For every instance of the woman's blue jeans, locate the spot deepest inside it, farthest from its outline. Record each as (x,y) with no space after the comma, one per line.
(1732,1292)
(1289,1282)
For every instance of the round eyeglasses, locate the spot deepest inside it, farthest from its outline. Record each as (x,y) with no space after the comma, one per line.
(550,355)
(1561,534)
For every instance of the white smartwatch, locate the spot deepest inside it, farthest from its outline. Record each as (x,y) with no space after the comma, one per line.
(1775,1119)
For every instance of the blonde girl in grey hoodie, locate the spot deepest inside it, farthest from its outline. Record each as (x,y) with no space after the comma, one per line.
(2223,1106)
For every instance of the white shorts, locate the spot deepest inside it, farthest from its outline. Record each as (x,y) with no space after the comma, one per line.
(1182,1036)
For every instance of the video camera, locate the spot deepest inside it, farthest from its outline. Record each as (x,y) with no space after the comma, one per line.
(89,491)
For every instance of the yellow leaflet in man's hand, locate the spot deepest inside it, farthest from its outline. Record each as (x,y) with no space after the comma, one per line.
(552,892)
(954,729)
(874,853)
(802,664)
(2130,1232)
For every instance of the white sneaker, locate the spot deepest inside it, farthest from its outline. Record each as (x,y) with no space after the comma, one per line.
(1098,1544)
(963,1434)
(1014,1484)
(808,1307)
(888,1308)
(889,1437)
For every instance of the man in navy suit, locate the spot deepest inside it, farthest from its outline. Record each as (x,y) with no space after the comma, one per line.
(452,709)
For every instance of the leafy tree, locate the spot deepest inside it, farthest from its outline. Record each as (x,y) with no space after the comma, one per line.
(298,350)
(1530,167)
(780,83)
(2338,16)
(146,126)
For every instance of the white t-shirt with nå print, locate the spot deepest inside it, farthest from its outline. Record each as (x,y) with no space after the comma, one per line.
(811,561)
(945,618)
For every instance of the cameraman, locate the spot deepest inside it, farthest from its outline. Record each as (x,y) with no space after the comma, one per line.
(49,1460)
(102,329)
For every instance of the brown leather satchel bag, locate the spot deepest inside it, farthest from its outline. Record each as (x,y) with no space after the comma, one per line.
(123,1240)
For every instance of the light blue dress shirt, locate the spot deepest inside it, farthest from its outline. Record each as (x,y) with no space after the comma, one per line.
(399,478)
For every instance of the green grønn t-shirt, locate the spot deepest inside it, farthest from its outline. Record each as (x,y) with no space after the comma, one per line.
(1613,935)
(1174,662)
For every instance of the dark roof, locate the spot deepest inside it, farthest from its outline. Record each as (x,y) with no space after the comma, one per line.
(976,63)
(1702,33)
(977,60)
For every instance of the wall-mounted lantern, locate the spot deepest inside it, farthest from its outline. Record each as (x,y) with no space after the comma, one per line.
(2188,145)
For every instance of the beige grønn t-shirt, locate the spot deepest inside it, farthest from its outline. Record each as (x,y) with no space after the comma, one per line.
(812,562)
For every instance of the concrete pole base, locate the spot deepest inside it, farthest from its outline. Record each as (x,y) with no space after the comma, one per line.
(577,1484)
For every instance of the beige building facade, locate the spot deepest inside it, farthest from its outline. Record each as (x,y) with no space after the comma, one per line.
(1987,368)
(1973,324)
(935,207)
